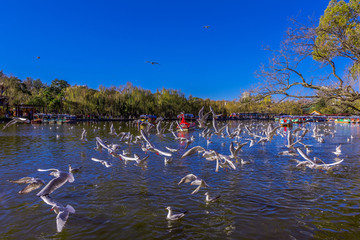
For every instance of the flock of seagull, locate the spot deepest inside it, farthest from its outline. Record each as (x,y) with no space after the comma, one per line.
(245,134)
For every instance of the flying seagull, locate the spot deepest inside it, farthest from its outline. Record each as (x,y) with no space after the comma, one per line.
(33,184)
(60,179)
(61,211)
(152,63)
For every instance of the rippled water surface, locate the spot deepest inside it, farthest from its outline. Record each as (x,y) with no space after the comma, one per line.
(268,198)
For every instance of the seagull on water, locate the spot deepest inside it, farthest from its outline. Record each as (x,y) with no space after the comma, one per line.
(167,160)
(174,217)
(209,199)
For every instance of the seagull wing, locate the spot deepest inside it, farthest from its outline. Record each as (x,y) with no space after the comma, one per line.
(163,153)
(61,219)
(230,163)
(192,151)
(215,125)
(145,137)
(188,178)
(96,160)
(22,180)
(338,148)
(54,184)
(232,149)
(217,165)
(32,186)
(181,129)
(306,157)
(48,200)
(46,170)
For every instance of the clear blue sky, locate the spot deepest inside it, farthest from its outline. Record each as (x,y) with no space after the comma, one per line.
(108,42)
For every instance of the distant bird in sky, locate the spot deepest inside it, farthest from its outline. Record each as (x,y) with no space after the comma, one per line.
(152,63)
(206,27)
(38,57)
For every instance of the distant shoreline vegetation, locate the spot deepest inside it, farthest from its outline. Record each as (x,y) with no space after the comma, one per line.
(126,100)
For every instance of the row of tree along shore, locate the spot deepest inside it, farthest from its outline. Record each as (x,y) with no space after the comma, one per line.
(27,97)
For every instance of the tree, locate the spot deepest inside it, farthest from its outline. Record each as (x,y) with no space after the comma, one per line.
(335,39)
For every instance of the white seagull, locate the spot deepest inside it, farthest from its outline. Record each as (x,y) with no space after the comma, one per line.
(174,217)
(60,179)
(103,162)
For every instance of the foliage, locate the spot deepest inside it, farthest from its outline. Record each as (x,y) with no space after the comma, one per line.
(335,39)
(125,101)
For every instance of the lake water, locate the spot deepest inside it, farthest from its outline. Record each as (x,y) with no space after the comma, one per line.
(268,198)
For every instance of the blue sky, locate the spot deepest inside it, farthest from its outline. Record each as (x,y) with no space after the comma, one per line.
(108,42)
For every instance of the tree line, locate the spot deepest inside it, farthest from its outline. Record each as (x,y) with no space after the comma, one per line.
(126,100)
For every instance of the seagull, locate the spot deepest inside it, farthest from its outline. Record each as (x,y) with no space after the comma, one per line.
(202,118)
(112,129)
(338,150)
(288,153)
(172,149)
(60,179)
(234,151)
(103,162)
(62,215)
(74,170)
(194,181)
(166,154)
(174,217)
(199,182)
(61,211)
(15,120)
(167,160)
(145,137)
(206,27)
(83,135)
(140,161)
(209,199)
(226,163)
(188,178)
(33,184)
(217,131)
(193,150)
(152,63)
(103,145)
(312,163)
